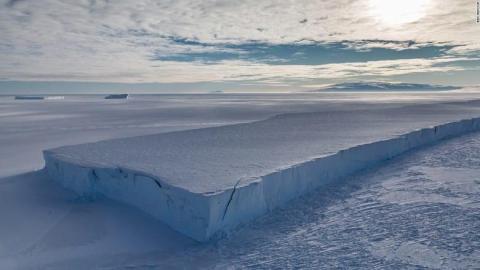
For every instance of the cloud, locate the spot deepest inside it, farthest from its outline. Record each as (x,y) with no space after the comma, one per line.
(11,3)
(232,70)
(200,40)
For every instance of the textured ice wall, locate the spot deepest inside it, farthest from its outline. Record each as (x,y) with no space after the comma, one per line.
(202,215)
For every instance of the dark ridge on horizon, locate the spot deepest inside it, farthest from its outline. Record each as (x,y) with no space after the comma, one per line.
(384,86)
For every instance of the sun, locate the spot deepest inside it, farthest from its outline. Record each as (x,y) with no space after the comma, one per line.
(397,12)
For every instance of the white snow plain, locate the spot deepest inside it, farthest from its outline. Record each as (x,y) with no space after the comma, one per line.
(111,235)
(29,127)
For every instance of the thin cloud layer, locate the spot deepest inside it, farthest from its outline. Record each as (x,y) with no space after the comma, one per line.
(196,40)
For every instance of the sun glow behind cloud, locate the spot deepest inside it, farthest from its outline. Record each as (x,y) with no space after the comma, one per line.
(398,12)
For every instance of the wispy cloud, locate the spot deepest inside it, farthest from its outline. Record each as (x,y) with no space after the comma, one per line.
(212,40)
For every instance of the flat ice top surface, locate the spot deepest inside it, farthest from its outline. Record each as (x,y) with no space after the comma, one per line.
(214,159)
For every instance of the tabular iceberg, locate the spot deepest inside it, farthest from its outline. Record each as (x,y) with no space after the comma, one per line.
(205,181)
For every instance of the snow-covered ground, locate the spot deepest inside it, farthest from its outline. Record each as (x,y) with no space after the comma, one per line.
(28,127)
(374,219)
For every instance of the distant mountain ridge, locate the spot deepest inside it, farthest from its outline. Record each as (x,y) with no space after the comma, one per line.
(385,86)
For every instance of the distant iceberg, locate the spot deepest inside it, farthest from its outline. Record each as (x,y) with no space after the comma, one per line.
(117,96)
(384,86)
(39,97)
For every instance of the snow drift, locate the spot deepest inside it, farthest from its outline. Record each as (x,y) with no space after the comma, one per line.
(202,182)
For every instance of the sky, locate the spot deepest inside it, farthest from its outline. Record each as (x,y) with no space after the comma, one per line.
(252,45)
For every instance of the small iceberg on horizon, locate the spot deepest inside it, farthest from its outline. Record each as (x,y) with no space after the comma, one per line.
(39,97)
(117,96)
